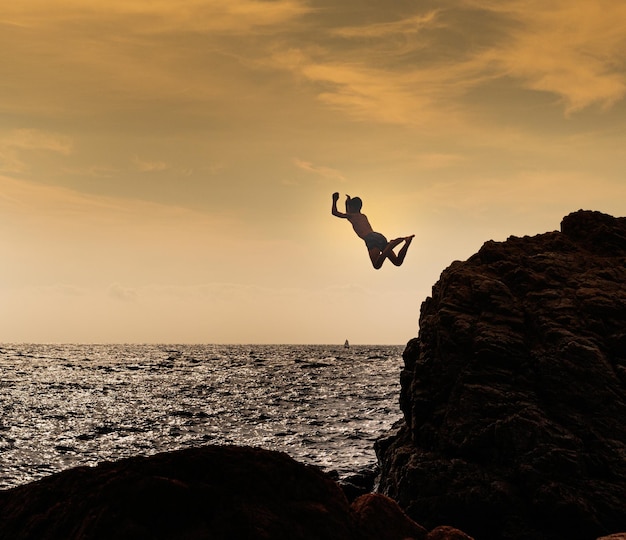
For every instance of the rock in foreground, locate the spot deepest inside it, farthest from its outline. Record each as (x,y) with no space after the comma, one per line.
(212,493)
(514,393)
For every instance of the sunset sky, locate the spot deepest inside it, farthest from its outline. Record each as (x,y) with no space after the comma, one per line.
(166,167)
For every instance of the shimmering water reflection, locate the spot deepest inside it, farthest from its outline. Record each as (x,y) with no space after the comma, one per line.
(69,405)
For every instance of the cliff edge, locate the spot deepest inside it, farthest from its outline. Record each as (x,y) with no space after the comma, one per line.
(514,391)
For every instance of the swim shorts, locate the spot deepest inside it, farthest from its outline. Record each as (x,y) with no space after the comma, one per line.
(375,240)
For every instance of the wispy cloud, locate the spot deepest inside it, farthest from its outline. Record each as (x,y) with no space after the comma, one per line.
(392,72)
(361,91)
(119,292)
(62,208)
(34,139)
(149,165)
(410,25)
(15,144)
(64,289)
(96,171)
(418,70)
(157,15)
(320,170)
(571,49)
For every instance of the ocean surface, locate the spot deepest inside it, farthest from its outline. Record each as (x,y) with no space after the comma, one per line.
(69,405)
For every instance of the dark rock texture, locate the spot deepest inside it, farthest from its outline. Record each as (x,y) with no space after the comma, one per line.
(212,493)
(378,516)
(514,392)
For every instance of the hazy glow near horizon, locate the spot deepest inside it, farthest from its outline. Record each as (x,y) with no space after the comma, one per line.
(166,168)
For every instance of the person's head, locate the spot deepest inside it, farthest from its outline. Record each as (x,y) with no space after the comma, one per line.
(354,204)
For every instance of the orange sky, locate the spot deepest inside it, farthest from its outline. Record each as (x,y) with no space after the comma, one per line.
(166,168)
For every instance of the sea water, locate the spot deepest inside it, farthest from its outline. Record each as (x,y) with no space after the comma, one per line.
(69,405)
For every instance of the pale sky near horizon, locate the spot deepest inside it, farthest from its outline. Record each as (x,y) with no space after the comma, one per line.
(166,168)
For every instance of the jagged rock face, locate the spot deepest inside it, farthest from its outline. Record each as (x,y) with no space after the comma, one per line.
(514,393)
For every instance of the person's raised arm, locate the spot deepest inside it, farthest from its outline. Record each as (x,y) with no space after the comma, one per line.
(334,210)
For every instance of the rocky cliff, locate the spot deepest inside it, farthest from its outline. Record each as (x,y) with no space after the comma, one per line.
(514,391)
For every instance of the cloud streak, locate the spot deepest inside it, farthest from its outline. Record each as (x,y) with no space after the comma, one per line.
(149,165)
(15,144)
(234,16)
(571,49)
(408,26)
(409,71)
(61,209)
(325,172)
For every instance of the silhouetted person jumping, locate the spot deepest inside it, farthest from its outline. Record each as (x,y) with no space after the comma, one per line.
(377,245)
